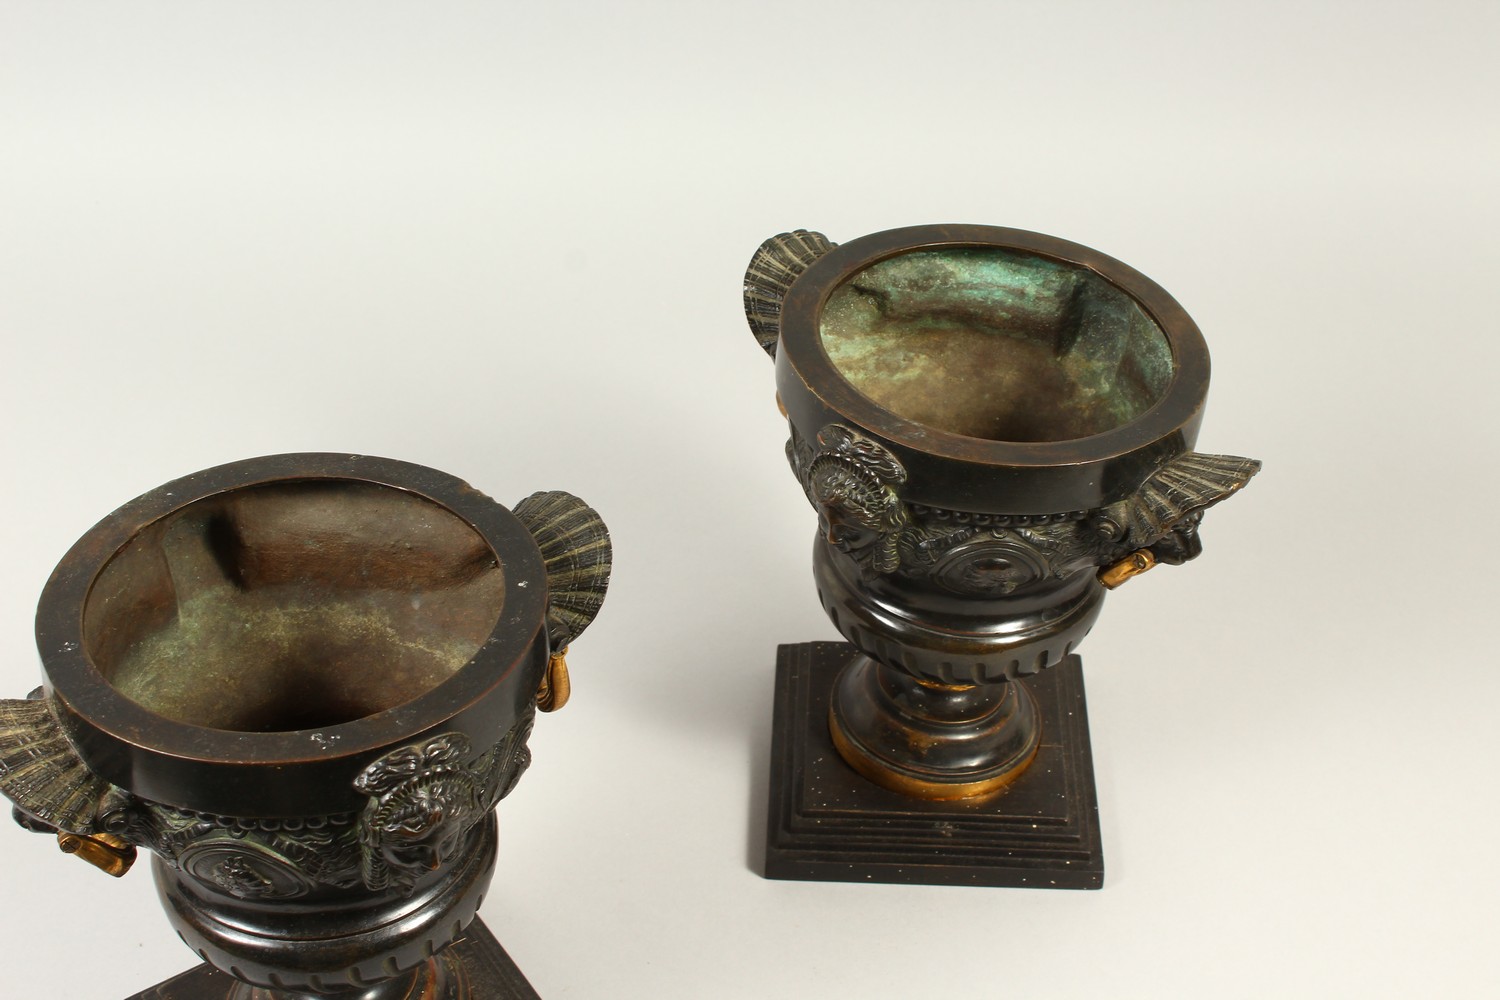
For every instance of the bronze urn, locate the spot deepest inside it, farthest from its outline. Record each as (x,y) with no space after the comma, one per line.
(303,682)
(994,427)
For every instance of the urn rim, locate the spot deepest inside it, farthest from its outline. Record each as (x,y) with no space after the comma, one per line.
(1036,477)
(245,773)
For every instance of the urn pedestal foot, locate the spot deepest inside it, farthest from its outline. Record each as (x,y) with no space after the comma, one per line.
(931,741)
(828,823)
(474,968)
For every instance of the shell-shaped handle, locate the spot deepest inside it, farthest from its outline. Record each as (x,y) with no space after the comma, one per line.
(1159,522)
(779,262)
(41,772)
(576,553)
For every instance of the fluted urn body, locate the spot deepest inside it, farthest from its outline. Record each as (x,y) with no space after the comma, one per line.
(994,427)
(303,682)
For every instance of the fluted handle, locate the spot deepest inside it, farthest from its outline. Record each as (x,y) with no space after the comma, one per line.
(41,772)
(53,790)
(1159,522)
(576,553)
(778,263)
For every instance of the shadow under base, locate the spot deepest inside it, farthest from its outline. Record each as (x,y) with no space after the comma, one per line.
(489,973)
(828,823)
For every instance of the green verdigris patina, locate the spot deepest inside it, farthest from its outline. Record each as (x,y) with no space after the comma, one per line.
(996,344)
(291,606)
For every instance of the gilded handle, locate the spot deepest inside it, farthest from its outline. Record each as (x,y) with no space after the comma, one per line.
(104,851)
(1128,568)
(555,690)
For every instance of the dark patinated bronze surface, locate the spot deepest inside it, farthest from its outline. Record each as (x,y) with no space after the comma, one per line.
(303,682)
(826,822)
(995,427)
(474,966)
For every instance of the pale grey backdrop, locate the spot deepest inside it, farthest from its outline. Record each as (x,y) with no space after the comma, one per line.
(506,240)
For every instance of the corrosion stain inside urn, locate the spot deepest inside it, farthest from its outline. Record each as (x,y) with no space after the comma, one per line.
(293,605)
(996,344)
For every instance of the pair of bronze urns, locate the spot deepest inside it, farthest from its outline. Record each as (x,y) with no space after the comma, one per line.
(303,682)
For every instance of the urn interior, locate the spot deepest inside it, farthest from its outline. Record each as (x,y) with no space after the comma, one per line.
(292,605)
(997,344)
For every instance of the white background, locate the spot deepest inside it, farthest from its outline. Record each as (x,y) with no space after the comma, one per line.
(506,241)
